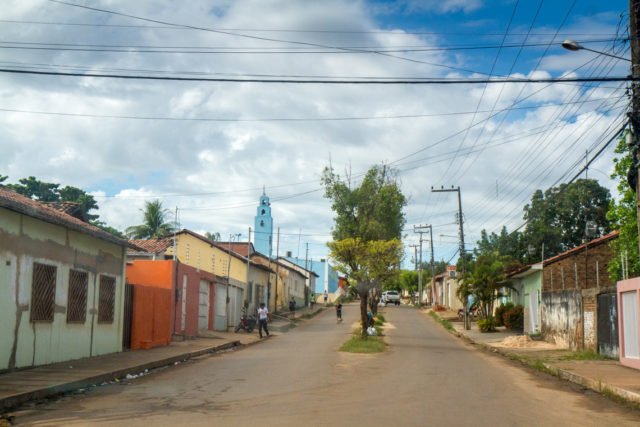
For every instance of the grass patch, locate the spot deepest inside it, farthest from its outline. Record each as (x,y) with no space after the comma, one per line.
(380,317)
(584,355)
(445,323)
(359,344)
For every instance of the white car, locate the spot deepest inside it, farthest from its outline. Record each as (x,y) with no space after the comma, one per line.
(391,297)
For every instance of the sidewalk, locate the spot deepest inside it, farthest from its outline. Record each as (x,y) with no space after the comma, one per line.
(30,384)
(608,377)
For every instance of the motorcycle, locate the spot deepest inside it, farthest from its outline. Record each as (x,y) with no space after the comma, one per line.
(248,323)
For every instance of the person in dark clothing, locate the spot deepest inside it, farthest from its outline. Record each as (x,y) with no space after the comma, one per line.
(339,311)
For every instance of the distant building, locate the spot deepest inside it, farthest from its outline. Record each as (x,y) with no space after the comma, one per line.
(327,276)
(263,240)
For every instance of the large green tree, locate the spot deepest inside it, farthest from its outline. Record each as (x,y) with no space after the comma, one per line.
(155,225)
(367,229)
(557,218)
(51,192)
(623,215)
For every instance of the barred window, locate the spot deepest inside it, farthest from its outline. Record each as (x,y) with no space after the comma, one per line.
(77,302)
(43,293)
(106,299)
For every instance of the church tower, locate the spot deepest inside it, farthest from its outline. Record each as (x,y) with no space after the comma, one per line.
(263,240)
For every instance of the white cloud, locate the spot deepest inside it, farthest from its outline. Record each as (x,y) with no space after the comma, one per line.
(214,171)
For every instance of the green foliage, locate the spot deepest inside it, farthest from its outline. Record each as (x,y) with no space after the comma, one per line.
(368,227)
(445,323)
(505,243)
(3,178)
(155,223)
(513,318)
(109,229)
(213,236)
(558,216)
(623,215)
(407,280)
(484,278)
(500,312)
(365,344)
(487,325)
(584,355)
(49,192)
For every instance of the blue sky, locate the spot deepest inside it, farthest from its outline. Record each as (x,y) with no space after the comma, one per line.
(208,148)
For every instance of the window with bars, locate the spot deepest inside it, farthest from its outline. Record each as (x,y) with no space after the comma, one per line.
(77,302)
(43,293)
(106,299)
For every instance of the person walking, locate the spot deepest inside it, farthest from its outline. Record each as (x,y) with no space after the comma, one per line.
(292,306)
(339,311)
(263,318)
(326,297)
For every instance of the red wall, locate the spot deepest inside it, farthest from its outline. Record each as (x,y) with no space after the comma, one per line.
(157,307)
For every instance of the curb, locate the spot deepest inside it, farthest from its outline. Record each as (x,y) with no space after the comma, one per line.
(596,385)
(13,401)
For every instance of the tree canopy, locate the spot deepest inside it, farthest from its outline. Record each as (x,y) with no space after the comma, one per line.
(558,217)
(623,215)
(368,227)
(155,223)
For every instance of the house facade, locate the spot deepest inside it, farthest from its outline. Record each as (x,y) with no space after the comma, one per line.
(444,289)
(169,299)
(527,291)
(579,303)
(309,280)
(61,285)
(327,277)
(230,268)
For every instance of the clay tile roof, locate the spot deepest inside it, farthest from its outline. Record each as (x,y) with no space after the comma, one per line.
(153,245)
(18,203)
(595,242)
(70,208)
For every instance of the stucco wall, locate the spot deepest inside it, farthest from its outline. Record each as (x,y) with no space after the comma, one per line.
(25,241)
(562,318)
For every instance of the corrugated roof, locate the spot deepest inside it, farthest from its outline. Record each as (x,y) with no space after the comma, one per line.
(18,203)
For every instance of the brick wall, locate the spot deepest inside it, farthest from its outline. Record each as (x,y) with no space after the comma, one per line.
(586,269)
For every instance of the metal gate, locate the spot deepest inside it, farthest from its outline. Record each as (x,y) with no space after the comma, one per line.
(608,325)
(128,316)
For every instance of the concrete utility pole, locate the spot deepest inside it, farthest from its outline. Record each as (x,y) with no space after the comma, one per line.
(275,302)
(634,115)
(420,229)
(461,236)
(415,261)
(249,285)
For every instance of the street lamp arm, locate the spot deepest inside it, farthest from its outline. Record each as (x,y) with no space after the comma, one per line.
(574,46)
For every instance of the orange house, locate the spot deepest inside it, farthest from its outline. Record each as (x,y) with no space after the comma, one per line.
(168,298)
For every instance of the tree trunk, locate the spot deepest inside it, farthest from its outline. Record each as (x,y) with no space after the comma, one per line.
(364,319)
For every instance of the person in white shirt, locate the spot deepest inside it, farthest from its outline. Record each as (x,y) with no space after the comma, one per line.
(263,317)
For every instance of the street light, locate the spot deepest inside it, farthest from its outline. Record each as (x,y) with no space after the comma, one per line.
(574,46)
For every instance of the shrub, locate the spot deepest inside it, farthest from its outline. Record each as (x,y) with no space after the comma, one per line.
(500,313)
(514,318)
(439,307)
(487,325)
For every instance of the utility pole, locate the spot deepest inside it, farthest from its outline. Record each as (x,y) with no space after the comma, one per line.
(415,262)
(461,236)
(275,302)
(249,285)
(306,263)
(433,264)
(420,229)
(634,115)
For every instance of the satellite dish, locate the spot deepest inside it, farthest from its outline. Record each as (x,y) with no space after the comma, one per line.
(591,229)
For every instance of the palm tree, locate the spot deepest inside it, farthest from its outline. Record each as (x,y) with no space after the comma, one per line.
(155,223)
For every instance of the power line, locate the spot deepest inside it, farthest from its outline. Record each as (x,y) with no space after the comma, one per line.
(279,119)
(290,30)
(424,81)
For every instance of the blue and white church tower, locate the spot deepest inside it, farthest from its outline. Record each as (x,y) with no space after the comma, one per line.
(263,240)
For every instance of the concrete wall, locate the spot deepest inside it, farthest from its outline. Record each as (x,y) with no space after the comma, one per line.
(25,241)
(582,276)
(562,318)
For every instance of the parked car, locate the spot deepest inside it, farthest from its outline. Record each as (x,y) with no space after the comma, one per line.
(391,297)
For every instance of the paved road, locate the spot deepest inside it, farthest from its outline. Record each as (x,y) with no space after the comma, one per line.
(427,377)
